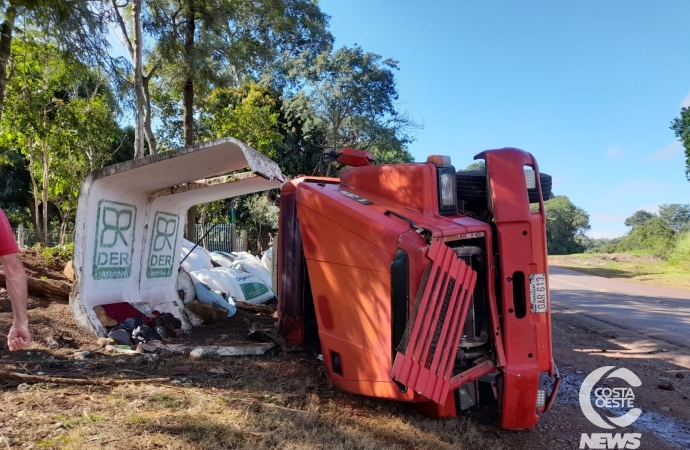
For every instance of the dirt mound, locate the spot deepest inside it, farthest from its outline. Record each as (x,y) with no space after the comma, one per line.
(624,257)
(37,266)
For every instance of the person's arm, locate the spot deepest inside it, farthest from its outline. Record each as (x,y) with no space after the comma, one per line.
(15,280)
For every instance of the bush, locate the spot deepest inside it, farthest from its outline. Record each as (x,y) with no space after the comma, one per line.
(653,236)
(680,254)
(59,254)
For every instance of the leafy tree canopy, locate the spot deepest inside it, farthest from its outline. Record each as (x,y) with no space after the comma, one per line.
(349,100)
(676,216)
(564,223)
(681,126)
(249,113)
(654,235)
(639,218)
(477,165)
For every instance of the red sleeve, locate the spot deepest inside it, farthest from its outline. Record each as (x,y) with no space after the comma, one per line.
(7,243)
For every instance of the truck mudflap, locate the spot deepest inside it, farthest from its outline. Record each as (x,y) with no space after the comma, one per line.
(426,355)
(554,389)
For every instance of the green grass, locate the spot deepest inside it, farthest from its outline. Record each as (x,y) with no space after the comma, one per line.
(636,266)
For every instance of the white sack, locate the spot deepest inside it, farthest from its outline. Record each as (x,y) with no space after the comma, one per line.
(223,259)
(198,260)
(185,284)
(237,284)
(253,266)
(267,260)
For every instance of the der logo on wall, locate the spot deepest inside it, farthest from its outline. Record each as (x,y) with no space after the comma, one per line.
(115,224)
(163,244)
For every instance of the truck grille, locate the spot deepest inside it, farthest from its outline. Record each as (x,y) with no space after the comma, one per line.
(425,357)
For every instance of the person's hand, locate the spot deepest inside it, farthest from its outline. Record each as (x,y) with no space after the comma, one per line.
(19,336)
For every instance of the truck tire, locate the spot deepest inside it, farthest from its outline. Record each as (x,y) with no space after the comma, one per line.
(471,186)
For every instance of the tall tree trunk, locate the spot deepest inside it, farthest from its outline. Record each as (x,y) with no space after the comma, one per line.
(6,29)
(138,80)
(150,138)
(188,99)
(202,222)
(37,211)
(64,216)
(188,102)
(45,193)
(141,82)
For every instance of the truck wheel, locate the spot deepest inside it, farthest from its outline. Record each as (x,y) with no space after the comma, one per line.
(471,185)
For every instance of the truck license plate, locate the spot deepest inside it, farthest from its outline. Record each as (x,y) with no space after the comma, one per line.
(537,292)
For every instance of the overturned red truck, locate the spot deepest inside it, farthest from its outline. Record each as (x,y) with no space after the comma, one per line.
(421,284)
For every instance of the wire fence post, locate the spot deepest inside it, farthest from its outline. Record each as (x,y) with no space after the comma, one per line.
(20,235)
(245,241)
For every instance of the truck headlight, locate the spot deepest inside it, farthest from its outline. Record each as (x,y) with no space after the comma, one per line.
(447,197)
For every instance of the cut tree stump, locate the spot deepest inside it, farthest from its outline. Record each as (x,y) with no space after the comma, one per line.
(244,306)
(45,288)
(69,271)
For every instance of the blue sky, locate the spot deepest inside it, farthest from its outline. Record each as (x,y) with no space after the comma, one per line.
(588,87)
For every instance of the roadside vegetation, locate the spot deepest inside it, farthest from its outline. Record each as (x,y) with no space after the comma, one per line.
(656,250)
(643,268)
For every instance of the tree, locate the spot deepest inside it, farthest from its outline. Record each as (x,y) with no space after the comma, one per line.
(78,27)
(654,236)
(249,113)
(639,218)
(59,116)
(477,165)
(263,214)
(214,43)
(15,188)
(142,96)
(564,222)
(350,96)
(676,216)
(681,126)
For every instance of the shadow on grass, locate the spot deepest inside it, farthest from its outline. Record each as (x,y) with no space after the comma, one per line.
(268,428)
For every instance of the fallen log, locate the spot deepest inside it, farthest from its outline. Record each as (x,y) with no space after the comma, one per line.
(78,381)
(244,306)
(44,288)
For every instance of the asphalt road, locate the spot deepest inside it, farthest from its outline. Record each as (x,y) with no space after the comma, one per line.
(656,312)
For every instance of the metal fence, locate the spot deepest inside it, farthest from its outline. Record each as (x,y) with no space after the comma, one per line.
(223,238)
(28,237)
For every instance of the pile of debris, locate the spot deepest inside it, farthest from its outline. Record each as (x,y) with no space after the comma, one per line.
(212,287)
(213,284)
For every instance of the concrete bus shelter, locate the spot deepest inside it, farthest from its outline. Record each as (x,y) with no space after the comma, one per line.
(131,218)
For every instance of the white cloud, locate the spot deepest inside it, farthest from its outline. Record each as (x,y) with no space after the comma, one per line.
(671,150)
(614,153)
(605,234)
(686,101)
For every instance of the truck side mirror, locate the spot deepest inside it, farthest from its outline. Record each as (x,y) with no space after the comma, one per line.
(329,155)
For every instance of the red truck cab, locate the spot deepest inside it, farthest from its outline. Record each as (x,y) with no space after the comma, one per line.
(413,290)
